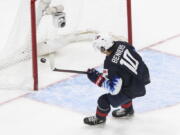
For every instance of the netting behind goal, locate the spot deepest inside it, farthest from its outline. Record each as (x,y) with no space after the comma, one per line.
(81,15)
(14,51)
(100,15)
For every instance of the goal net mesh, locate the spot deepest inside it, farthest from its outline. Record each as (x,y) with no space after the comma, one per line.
(81,15)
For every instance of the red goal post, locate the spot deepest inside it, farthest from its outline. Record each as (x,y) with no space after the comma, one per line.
(34,44)
(129,21)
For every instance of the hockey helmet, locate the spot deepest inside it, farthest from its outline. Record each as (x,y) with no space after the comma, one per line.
(102,41)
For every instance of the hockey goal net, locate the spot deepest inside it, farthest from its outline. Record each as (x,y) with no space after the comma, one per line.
(33,35)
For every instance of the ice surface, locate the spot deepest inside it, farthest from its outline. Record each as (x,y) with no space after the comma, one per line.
(59,109)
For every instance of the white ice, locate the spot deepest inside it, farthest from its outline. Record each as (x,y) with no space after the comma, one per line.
(154,22)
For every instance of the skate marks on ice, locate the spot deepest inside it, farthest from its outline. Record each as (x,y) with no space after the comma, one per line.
(79,94)
(151,123)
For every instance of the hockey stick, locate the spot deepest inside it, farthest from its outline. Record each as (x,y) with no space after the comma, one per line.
(52,65)
(69,71)
(52,61)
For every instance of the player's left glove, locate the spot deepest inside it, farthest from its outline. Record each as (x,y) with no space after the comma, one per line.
(95,76)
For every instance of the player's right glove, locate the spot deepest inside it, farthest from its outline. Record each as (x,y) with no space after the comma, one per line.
(95,76)
(113,85)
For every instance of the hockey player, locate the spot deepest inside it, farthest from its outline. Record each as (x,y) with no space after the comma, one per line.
(124,76)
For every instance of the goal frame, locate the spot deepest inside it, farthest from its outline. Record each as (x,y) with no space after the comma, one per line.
(34,37)
(34,44)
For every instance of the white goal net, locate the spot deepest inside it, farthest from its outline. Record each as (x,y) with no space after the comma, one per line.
(82,18)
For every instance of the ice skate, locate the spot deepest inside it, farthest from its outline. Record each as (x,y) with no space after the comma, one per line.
(93,120)
(123,112)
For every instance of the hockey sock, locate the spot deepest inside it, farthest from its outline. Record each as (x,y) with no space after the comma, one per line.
(102,113)
(127,105)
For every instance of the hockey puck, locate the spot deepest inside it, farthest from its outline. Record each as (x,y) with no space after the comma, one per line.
(43,60)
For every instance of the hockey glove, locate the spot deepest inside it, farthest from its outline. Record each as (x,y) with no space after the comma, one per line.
(95,77)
